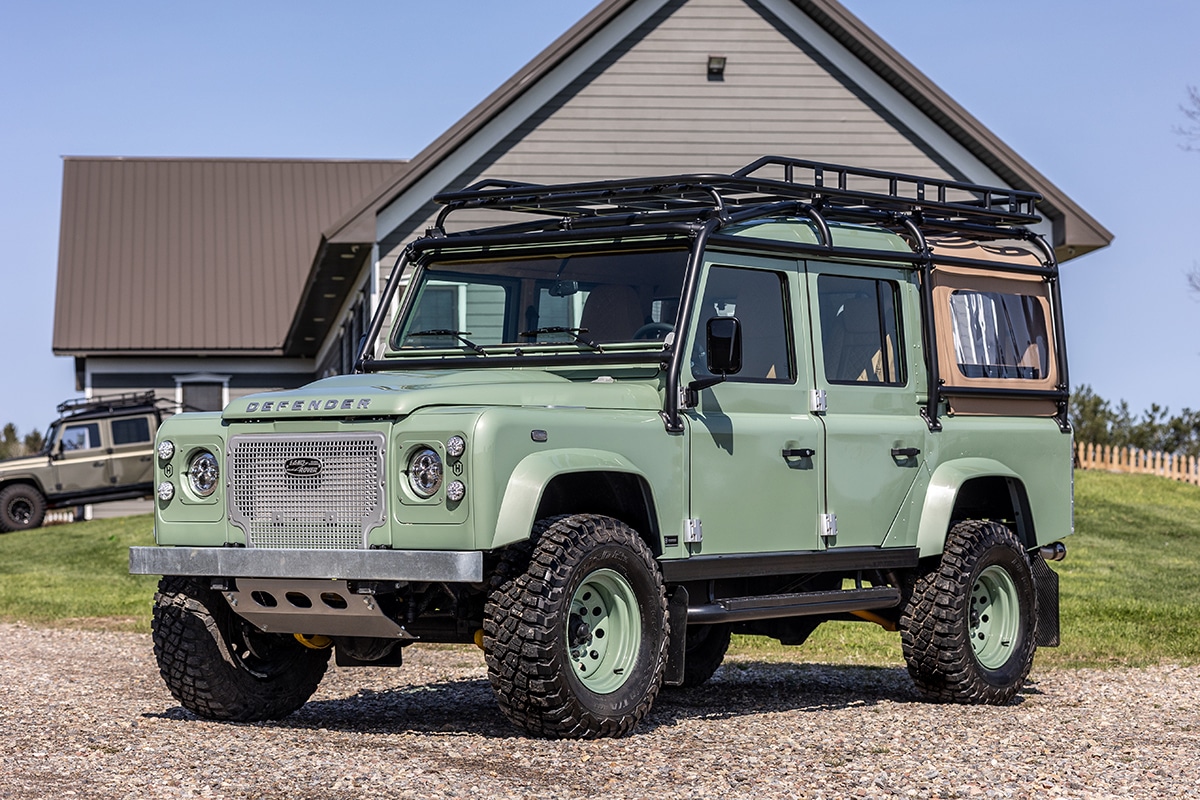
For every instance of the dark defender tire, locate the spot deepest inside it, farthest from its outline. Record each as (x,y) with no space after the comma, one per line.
(218,666)
(22,507)
(969,630)
(704,650)
(576,644)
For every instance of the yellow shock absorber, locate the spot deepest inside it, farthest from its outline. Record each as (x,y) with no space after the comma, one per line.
(479,638)
(317,642)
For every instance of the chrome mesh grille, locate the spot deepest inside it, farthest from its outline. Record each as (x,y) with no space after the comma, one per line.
(306,491)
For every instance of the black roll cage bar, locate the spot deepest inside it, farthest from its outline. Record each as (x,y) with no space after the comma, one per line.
(616,214)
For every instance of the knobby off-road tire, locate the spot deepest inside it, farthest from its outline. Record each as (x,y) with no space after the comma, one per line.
(704,650)
(218,666)
(969,630)
(576,644)
(22,507)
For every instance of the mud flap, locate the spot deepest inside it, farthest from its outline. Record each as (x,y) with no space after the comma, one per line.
(677,608)
(1045,581)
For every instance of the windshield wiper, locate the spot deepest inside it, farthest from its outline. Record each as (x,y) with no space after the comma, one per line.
(460,335)
(574,333)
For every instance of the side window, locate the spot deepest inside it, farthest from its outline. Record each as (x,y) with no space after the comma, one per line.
(757,298)
(860,330)
(999,335)
(130,431)
(81,437)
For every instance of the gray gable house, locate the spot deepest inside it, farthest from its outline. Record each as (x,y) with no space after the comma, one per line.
(208,279)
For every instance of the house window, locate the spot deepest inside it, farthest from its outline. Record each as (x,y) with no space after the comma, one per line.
(202,396)
(201,392)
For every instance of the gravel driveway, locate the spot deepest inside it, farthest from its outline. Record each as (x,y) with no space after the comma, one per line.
(84,714)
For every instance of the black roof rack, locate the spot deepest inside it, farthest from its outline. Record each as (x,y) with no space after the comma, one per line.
(830,188)
(108,402)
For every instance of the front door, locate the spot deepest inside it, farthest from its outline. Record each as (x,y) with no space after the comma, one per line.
(81,463)
(868,363)
(747,494)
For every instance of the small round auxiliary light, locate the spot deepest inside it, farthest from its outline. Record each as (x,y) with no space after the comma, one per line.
(455,491)
(166,490)
(166,449)
(456,446)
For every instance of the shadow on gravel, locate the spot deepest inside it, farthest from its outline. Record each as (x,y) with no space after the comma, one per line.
(467,707)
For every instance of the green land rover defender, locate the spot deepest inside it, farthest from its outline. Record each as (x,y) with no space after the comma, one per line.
(651,413)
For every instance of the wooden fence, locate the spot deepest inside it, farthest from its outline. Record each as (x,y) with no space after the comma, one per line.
(1131,459)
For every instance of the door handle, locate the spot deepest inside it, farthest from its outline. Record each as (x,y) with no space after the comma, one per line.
(97,463)
(800,452)
(906,452)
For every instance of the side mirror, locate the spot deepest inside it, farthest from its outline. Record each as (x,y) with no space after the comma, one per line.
(723,340)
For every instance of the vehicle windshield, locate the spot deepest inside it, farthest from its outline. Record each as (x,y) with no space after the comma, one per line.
(585,302)
(51,435)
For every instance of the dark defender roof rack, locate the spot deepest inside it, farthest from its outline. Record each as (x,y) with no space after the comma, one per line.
(108,402)
(832,189)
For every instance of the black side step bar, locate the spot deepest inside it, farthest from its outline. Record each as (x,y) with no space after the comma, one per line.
(771,606)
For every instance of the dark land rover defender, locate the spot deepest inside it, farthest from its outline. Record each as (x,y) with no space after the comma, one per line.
(100,449)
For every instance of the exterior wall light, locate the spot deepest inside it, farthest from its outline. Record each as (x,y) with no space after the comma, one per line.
(716,67)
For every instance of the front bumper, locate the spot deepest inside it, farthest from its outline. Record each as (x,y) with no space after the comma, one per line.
(446,566)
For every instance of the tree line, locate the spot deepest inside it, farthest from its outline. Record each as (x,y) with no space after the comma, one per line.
(13,445)
(1097,421)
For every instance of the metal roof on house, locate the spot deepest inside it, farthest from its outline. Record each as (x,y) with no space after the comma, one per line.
(194,256)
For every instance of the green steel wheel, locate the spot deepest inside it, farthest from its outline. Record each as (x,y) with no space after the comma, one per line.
(604,631)
(995,617)
(576,645)
(969,630)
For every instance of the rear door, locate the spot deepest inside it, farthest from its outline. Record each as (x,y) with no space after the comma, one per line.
(867,359)
(132,450)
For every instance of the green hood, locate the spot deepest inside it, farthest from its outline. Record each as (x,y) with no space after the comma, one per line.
(397,394)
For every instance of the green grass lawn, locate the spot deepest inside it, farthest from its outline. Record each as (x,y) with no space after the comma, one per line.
(1130,583)
(77,574)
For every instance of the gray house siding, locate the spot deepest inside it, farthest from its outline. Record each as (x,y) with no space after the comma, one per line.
(649,107)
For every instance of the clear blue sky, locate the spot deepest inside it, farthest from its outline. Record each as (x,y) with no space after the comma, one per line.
(1087,91)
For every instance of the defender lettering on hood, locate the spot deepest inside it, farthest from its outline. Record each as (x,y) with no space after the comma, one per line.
(295,406)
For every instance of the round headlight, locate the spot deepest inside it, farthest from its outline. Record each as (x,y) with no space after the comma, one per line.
(166,490)
(425,472)
(166,449)
(203,473)
(456,446)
